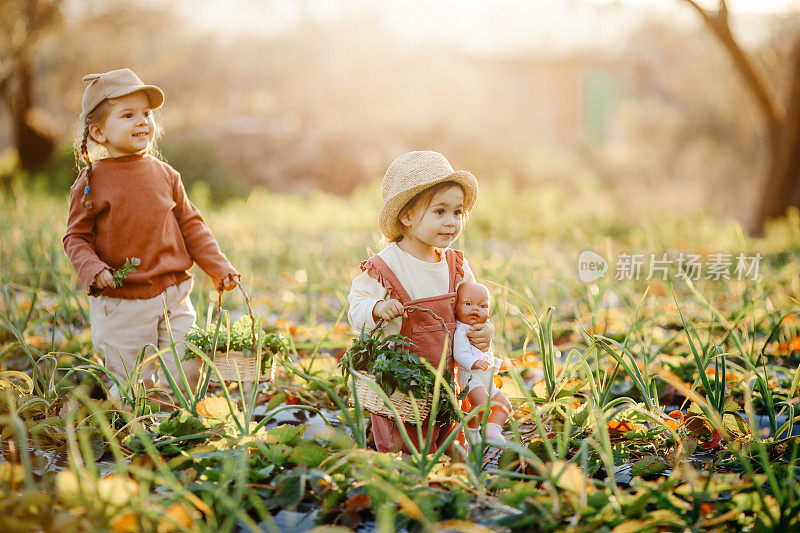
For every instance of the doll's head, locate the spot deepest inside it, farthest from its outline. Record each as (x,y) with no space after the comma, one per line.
(116,117)
(473,303)
(418,183)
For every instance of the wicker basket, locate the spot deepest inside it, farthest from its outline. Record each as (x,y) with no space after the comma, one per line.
(369,400)
(373,403)
(235,365)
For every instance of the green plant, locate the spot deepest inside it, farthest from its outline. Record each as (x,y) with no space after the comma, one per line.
(127,269)
(236,337)
(395,367)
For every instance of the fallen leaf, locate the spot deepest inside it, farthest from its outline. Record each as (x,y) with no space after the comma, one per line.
(127,523)
(570,477)
(214,408)
(177,517)
(617,428)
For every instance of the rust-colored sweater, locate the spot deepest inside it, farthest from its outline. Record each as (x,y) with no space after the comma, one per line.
(140,210)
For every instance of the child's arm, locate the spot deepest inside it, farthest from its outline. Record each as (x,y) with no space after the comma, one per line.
(200,243)
(79,239)
(365,293)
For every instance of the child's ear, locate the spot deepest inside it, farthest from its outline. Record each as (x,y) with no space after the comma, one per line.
(96,133)
(405,218)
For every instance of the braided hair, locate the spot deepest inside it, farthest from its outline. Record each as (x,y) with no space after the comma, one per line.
(95,116)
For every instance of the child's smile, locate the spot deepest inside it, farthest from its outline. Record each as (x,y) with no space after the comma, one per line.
(435,227)
(128,128)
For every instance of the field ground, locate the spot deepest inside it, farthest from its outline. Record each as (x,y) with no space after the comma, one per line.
(667,404)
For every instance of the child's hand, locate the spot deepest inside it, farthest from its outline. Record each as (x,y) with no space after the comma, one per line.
(480,365)
(388,310)
(480,335)
(504,365)
(230,282)
(103,279)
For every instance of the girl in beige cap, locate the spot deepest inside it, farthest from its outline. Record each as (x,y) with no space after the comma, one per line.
(425,203)
(129,204)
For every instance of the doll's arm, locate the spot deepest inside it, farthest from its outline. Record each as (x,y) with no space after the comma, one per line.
(498,364)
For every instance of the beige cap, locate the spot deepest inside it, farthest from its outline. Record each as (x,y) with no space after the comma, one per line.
(412,173)
(114,84)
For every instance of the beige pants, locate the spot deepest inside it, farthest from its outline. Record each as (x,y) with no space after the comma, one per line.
(121,328)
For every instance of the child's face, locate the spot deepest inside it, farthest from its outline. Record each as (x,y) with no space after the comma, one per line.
(437,224)
(128,127)
(473,305)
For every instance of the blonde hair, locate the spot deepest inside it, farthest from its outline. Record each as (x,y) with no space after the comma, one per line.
(427,197)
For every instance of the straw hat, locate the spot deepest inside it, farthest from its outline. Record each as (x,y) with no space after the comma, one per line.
(114,84)
(412,173)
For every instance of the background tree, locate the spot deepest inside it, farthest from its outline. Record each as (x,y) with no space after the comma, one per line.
(22,24)
(781,116)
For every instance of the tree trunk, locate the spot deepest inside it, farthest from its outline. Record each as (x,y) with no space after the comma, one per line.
(782,187)
(33,141)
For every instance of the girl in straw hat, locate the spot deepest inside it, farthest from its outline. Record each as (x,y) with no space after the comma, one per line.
(129,204)
(425,203)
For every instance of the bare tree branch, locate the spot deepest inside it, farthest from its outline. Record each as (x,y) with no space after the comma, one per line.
(770,106)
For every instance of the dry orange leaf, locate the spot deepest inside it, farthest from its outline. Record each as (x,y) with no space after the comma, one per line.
(177,515)
(671,423)
(213,407)
(529,359)
(617,428)
(126,523)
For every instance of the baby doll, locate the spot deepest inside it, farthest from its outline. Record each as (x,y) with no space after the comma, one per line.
(476,369)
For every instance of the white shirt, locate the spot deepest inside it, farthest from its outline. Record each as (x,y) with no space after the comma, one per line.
(420,279)
(466,354)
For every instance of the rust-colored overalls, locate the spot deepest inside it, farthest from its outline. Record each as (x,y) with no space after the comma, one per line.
(428,337)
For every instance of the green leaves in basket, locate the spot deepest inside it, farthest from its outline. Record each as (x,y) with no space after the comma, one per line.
(239,338)
(396,367)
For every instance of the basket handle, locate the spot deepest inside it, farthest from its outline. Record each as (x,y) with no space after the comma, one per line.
(381,323)
(249,310)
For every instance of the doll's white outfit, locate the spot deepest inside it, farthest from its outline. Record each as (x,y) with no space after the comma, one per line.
(466,355)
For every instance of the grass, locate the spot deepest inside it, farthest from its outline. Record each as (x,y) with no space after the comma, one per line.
(638,403)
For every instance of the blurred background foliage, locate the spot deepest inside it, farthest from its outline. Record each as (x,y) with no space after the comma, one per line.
(325,99)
